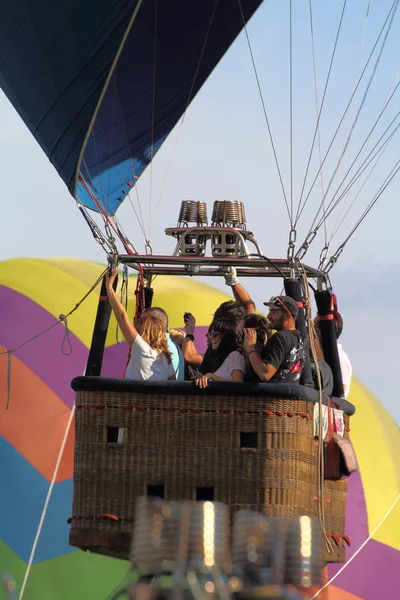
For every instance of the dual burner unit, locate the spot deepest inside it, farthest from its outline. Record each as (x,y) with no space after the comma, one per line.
(227,232)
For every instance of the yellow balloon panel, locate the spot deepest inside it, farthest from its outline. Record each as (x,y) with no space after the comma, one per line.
(376,440)
(55,290)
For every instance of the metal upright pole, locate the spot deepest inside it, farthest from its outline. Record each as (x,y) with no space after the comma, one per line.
(96,352)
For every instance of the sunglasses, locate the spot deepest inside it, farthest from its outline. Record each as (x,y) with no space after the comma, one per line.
(276,301)
(213,334)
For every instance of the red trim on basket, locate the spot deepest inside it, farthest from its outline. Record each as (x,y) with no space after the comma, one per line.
(346,539)
(102,516)
(339,538)
(326,500)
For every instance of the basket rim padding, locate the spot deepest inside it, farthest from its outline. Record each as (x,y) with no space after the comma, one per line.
(288,391)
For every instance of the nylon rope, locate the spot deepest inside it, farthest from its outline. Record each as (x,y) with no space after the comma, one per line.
(346,109)
(94,228)
(123,299)
(108,222)
(46,503)
(107,217)
(123,184)
(265,114)
(357,552)
(321,474)
(66,346)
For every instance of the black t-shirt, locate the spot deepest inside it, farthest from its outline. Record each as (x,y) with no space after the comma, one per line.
(285,351)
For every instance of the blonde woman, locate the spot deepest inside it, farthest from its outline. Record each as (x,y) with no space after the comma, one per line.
(150,358)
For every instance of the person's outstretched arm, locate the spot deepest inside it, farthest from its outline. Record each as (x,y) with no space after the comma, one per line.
(189,351)
(239,293)
(128,330)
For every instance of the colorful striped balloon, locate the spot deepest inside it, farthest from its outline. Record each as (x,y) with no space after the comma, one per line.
(35,384)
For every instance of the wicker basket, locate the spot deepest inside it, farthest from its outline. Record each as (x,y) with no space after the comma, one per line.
(252,452)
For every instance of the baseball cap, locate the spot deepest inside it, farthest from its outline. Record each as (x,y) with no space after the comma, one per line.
(284,302)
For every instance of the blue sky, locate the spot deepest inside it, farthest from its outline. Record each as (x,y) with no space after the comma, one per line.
(222,151)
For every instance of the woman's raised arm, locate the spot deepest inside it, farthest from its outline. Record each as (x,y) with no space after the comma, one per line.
(128,330)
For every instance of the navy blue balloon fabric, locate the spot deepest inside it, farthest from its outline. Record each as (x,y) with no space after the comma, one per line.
(55,64)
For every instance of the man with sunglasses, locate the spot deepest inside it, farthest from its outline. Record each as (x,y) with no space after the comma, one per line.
(281,360)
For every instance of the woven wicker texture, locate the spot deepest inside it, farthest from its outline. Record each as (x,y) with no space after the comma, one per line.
(254,452)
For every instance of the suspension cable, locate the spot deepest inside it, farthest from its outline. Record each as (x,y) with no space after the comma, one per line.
(153,108)
(332,204)
(364,99)
(265,114)
(362,167)
(333,260)
(134,177)
(316,104)
(291,106)
(108,223)
(95,229)
(395,3)
(320,110)
(381,152)
(313,232)
(360,52)
(366,148)
(117,169)
(189,98)
(343,217)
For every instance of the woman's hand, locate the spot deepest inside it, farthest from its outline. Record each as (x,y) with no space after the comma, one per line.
(190,323)
(250,339)
(111,278)
(202,382)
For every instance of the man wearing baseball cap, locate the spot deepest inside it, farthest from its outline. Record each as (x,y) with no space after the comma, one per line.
(281,360)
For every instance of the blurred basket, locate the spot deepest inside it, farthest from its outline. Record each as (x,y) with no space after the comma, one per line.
(255,452)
